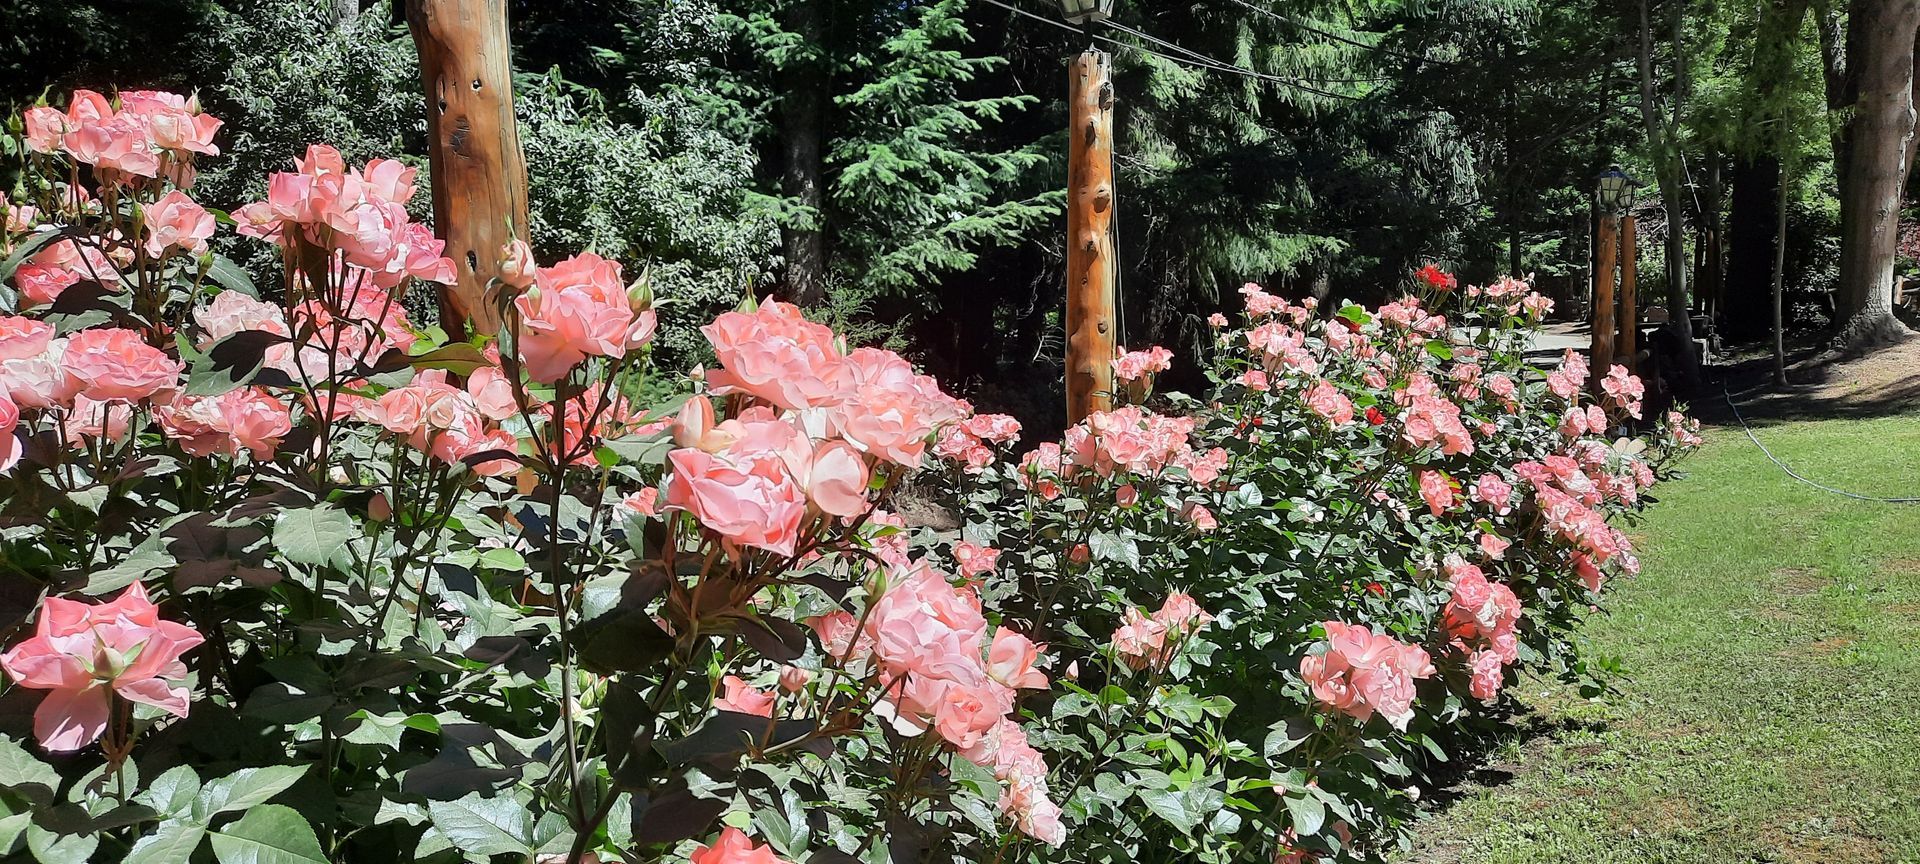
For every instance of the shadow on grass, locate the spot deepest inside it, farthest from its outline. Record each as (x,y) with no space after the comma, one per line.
(1820,386)
(1474,756)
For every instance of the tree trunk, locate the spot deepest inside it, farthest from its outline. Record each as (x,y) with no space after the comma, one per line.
(1664,143)
(1880,37)
(1831,22)
(1780,288)
(803,120)
(479,172)
(1711,281)
(1756,189)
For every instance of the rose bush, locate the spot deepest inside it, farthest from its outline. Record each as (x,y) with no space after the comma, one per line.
(383,594)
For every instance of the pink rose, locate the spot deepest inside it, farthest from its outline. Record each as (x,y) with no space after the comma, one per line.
(1011,661)
(836,479)
(175,221)
(973,559)
(517,266)
(577,309)
(46,127)
(1137,365)
(794,679)
(1255,380)
(1326,400)
(37,381)
(248,419)
(1493,492)
(775,354)
(116,364)
(889,410)
(1139,640)
(232,312)
(1180,613)
(9,442)
(1486,669)
(734,847)
(1436,488)
(1493,546)
(753,503)
(740,698)
(21,338)
(86,654)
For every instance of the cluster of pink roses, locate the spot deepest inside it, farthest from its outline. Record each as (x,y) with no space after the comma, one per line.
(150,134)
(1360,673)
(1145,641)
(925,642)
(1137,365)
(1479,619)
(359,213)
(972,442)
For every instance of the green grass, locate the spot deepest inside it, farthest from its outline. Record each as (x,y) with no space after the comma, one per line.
(1772,655)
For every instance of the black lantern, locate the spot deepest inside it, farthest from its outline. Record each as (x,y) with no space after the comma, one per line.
(1085,12)
(1615,192)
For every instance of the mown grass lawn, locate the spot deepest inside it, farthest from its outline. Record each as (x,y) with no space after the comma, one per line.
(1772,652)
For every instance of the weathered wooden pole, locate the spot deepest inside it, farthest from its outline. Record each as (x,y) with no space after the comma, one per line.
(1090,265)
(473,148)
(1627,349)
(1603,322)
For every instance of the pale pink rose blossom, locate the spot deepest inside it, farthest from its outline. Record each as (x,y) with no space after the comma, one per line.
(741,698)
(734,847)
(115,364)
(87,654)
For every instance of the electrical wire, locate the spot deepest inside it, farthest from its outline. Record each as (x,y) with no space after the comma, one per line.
(1795,474)
(1206,62)
(1194,58)
(1339,38)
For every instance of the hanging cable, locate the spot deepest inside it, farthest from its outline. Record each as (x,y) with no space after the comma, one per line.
(1194,59)
(1339,38)
(1206,62)
(1795,474)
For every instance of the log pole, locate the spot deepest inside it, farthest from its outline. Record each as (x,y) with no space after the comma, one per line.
(1091,321)
(479,172)
(1628,347)
(1603,321)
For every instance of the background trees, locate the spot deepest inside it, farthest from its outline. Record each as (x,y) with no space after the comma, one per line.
(898,164)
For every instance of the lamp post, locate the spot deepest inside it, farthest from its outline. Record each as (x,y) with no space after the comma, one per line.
(1613,198)
(1091,321)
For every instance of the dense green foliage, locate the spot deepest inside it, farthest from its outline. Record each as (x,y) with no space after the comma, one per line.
(903,163)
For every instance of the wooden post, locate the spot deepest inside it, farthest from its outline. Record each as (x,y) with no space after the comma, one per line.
(473,148)
(1603,323)
(1627,349)
(1090,265)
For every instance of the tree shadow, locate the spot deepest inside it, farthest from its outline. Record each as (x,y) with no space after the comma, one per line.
(1474,763)
(1821,386)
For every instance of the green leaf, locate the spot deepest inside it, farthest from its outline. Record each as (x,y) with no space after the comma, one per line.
(247,787)
(230,276)
(19,769)
(172,793)
(172,843)
(10,829)
(485,826)
(313,536)
(269,834)
(1173,806)
(1307,812)
(1113,547)
(459,358)
(50,848)
(1439,349)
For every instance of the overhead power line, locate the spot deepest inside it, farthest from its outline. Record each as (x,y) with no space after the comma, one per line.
(1190,58)
(1288,19)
